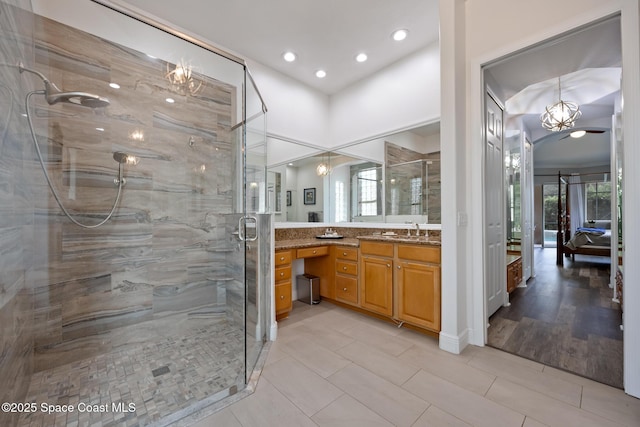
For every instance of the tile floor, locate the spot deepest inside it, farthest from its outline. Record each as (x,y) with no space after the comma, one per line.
(163,377)
(334,367)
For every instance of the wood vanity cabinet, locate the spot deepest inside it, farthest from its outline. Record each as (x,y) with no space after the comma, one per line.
(346,274)
(376,277)
(418,285)
(514,271)
(282,290)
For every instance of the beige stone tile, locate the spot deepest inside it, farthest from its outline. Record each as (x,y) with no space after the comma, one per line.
(530,422)
(385,398)
(543,408)
(450,368)
(306,389)
(431,344)
(436,417)
(275,353)
(513,370)
(461,403)
(267,407)
(611,403)
(319,359)
(322,336)
(378,337)
(337,320)
(224,417)
(510,358)
(348,412)
(382,364)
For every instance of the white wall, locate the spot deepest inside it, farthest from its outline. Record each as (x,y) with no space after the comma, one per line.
(400,96)
(295,111)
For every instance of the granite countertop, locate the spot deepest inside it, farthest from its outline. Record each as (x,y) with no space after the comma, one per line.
(310,242)
(353,241)
(422,240)
(512,258)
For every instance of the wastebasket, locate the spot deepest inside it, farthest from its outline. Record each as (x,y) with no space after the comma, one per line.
(308,287)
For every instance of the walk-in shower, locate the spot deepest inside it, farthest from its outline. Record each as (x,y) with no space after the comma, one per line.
(131,277)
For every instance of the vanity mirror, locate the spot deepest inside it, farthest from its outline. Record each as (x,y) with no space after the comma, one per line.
(393,179)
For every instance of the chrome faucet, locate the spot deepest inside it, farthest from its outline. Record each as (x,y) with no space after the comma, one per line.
(417,229)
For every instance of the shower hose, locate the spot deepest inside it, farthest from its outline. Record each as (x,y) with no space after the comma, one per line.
(120,180)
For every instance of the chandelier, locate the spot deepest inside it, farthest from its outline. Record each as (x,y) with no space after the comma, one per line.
(561,115)
(182,79)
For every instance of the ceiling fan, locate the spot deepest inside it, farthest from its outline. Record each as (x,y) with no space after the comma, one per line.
(582,130)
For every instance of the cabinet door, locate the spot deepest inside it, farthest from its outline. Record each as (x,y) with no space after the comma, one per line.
(283,298)
(419,294)
(376,288)
(347,289)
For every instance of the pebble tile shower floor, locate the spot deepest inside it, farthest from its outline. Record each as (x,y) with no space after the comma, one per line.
(160,378)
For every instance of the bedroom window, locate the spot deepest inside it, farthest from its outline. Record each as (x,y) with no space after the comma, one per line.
(598,201)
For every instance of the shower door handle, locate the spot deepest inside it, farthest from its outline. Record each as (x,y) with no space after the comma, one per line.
(242,227)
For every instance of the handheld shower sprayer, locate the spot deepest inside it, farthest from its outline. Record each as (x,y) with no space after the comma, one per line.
(53,94)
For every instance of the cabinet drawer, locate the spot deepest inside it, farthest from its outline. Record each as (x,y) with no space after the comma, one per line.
(283,297)
(347,253)
(419,253)
(377,248)
(347,267)
(283,273)
(312,252)
(347,289)
(283,258)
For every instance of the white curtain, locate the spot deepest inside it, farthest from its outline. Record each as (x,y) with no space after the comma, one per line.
(576,202)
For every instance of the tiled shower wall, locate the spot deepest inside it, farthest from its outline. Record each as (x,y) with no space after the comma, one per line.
(167,248)
(17,237)
(432,196)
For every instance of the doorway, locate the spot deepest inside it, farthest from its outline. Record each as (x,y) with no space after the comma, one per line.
(550,317)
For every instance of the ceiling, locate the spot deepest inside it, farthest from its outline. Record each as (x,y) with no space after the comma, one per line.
(325,34)
(328,35)
(589,63)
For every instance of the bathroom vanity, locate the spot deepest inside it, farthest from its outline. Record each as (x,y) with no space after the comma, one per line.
(392,277)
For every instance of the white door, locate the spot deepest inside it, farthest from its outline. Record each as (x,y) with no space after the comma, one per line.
(495,255)
(527,211)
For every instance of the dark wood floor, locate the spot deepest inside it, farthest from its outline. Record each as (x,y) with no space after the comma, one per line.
(564,318)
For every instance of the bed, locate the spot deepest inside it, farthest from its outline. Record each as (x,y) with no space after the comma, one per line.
(594,238)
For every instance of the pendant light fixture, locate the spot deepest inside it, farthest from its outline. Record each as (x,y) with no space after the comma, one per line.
(561,115)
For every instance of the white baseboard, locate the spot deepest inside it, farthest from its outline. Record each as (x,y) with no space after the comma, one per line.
(273,331)
(452,343)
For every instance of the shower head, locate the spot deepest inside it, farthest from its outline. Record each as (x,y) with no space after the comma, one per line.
(125,158)
(78,98)
(54,95)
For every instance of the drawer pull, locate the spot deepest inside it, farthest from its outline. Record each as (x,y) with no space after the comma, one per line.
(344,268)
(344,254)
(315,252)
(345,289)
(281,274)
(281,258)
(281,296)
(388,265)
(399,267)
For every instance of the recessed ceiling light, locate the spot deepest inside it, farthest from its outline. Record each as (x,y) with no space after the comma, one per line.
(289,56)
(114,85)
(578,133)
(321,74)
(100,129)
(361,57)
(170,100)
(399,35)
